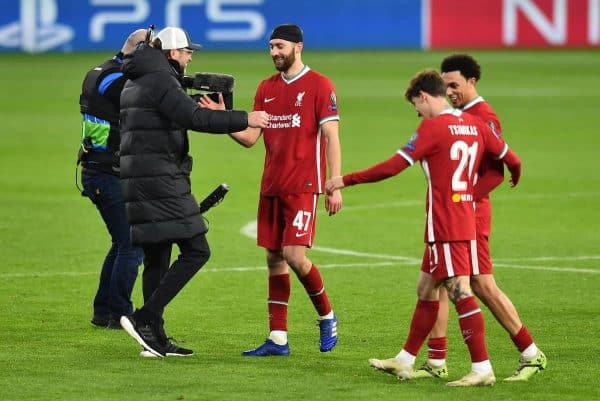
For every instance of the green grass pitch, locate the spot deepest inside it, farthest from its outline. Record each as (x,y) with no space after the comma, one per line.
(545,242)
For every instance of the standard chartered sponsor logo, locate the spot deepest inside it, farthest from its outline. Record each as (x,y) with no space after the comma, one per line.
(37,29)
(285,121)
(296,120)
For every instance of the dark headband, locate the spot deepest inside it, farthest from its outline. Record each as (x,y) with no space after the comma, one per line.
(289,32)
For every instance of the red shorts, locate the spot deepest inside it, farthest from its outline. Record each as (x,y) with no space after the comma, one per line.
(448,259)
(483,216)
(483,227)
(286,220)
(483,263)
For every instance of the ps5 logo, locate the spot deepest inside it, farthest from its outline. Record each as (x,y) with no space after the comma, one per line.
(37,29)
(90,23)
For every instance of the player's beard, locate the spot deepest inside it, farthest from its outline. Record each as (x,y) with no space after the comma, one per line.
(283,63)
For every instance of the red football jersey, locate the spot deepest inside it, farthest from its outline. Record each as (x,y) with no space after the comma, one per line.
(480,108)
(450,147)
(295,151)
(491,171)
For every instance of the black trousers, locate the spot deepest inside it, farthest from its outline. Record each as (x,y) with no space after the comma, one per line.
(160,283)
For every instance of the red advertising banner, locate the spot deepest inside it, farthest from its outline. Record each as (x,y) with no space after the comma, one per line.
(512,23)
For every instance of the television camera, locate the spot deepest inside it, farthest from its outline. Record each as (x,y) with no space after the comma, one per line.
(210,84)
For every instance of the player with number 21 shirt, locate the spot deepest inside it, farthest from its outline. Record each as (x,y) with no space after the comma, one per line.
(450,148)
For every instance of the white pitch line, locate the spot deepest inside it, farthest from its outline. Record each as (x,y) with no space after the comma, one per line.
(404,262)
(391,263)
(550,268)
(549,258)
(213,269)
(249,230)
(325,266)
(46,274)
(518,197)
(365,255)
(503,197)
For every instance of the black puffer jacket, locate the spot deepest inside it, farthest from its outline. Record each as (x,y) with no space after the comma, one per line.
(155,164)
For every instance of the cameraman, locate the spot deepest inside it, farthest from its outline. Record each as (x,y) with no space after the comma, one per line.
(99,106)
(155,175)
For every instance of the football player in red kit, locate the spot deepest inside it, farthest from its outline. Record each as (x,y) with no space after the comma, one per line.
(450,145)
(461,73)
(300,140)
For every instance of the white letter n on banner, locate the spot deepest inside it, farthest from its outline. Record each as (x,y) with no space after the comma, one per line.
(554,31)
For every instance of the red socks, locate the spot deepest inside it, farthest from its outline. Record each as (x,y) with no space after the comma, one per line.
(437,348)
(313,283)
(279,295)
(522,339)
(470,320)
(422,322)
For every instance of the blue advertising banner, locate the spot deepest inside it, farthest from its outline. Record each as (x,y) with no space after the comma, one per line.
(84,25)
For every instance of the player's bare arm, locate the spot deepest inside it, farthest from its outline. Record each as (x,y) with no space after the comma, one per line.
(333,198)
(334,184)
(256,121)
(247,137)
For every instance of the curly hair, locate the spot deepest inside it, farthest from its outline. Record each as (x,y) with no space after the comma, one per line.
(468,67)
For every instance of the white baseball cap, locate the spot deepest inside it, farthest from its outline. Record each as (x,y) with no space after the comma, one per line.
(176,38)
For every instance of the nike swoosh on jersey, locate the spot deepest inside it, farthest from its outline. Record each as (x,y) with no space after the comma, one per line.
(298,235)
(269,99)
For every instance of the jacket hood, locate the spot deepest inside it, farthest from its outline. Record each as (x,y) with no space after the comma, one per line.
(146,60)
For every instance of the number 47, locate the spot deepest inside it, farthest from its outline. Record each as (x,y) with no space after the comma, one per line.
(302,220)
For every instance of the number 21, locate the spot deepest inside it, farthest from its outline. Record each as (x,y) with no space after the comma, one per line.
(466,156)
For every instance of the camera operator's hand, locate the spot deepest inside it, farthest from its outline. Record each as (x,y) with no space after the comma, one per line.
(258,119)
(207,103)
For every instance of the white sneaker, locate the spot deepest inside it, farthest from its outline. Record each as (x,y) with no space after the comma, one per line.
(393,366)
(475,379)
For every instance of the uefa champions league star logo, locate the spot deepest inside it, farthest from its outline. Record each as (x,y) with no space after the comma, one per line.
(37,30)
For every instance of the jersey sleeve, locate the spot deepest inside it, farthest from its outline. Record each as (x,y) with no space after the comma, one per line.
(326,102)
(501,151)
(420,143)
(493,144)
(378,172)
(491,170)
(487,182)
